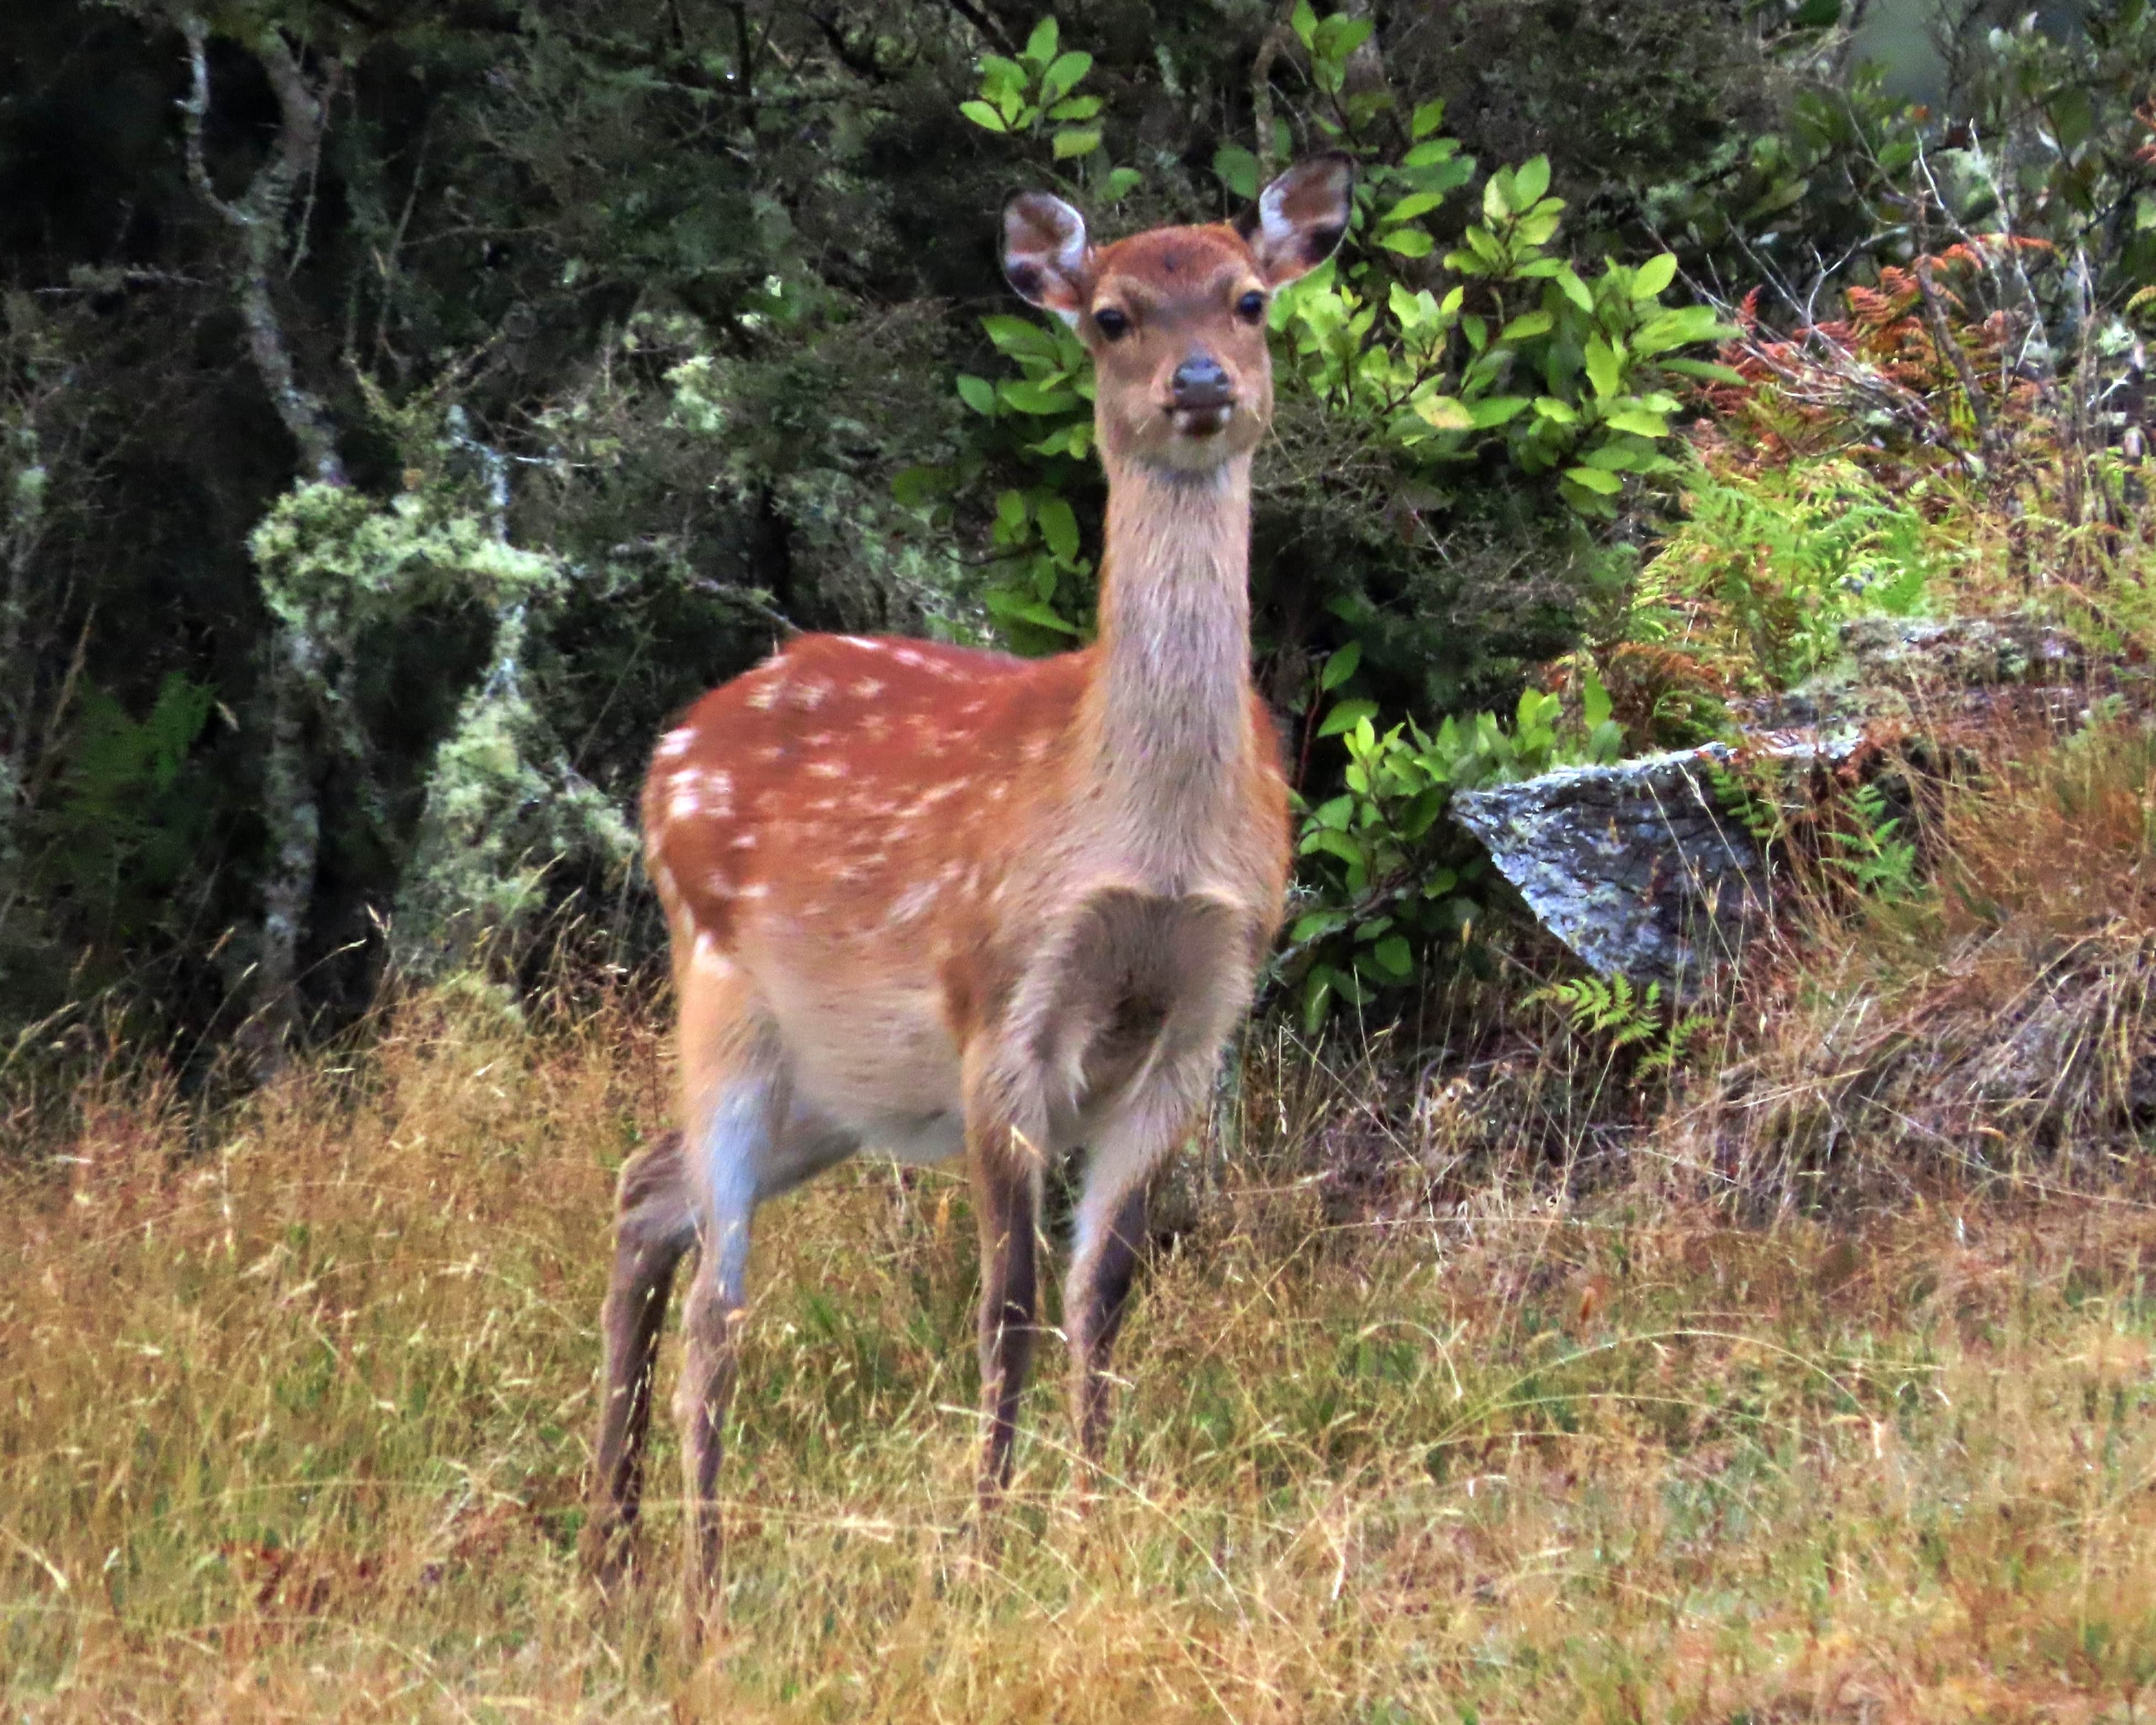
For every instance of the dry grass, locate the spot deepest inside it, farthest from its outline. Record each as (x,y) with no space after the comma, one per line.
(294,1403)
(1993,1027)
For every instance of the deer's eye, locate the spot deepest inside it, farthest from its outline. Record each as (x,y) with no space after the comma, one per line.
(1111,323)
(1251,307)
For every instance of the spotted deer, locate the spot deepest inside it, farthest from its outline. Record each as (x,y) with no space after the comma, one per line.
(943,902)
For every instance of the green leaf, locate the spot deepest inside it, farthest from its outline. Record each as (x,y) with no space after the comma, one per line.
(1077,108)
(1303,21)
(1041,46)
(1341,666)
(1593,479)
(1040,617)
(1528,323)
(1427,119)
(1625,454)
(1415,203)
(1068,144)
(1603,371)
(1496,410)
(1010,509)
(2073,118)
(1332,843)
(1346,716)
(1430,154)
(1031,399)
(981,114)
(978,393)
(1339,35)
(1530,180)
(1678,327)
(1058,527)
(1703,369)
(1593,699)
(910,487)
(1316,1000)
(1495,206)
(1393,958)
(1639,421)
(1018,335)
(1446,412)
(1237,168)
(1575,289)
(1654,275)
(1063,74)
(1408,242)
(1334,814)
(1560,412)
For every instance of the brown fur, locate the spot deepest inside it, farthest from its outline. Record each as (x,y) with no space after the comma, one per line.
(939,901)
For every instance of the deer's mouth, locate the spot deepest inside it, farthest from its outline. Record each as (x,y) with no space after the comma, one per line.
(1202,421)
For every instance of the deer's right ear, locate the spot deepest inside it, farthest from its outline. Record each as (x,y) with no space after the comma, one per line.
(1045,256)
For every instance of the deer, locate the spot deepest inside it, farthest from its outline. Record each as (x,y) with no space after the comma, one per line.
(943,903)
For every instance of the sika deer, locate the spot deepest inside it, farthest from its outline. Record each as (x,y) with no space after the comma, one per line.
(935,901)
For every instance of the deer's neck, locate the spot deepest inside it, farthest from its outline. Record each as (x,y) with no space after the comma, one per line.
(1165,725)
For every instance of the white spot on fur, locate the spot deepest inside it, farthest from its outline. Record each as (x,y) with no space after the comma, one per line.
(764,699)
(675,743)
(908,656)
(811,693)
(868,688)
(827,769)
(758,889)
(863,643)
(914,901)
(745,841)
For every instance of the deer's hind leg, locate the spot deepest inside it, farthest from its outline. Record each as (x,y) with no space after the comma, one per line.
(654,1227)
(737,1101)
(1004,1162)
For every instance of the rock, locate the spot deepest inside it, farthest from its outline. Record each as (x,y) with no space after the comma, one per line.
(1638,869)
(1635,866)
(1908,671)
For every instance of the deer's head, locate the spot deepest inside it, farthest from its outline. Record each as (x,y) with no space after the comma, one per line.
(1175,318)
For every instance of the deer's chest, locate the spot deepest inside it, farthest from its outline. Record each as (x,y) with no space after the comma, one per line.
(1135,979)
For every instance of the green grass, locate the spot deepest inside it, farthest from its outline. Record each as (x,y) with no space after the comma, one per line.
(294,1409)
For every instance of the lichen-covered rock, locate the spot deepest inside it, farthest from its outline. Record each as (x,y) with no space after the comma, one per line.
(1925,670)
(1635,866)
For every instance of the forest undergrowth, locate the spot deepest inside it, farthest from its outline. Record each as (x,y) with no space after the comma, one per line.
(1524,1389)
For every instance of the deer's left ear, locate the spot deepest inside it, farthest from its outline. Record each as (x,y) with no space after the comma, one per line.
(1300,217)
(1047,258)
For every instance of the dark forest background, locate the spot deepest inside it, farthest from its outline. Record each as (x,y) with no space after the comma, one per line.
(405,408)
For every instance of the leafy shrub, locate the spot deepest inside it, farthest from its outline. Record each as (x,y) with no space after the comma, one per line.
(1386,878)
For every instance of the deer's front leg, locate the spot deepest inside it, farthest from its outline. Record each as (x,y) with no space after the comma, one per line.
(1006,1179)
(653,1228)
(1111,1222)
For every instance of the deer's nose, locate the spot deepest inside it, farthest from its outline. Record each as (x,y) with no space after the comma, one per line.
(1199,381)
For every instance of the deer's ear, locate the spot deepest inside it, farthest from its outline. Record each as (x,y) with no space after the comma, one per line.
(1045,256)
(1300,217)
